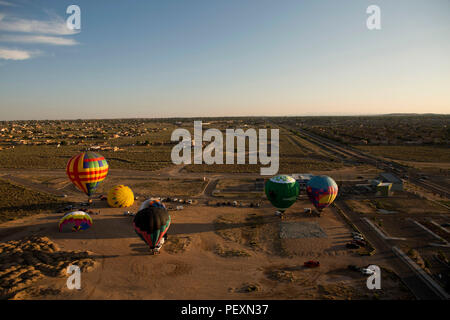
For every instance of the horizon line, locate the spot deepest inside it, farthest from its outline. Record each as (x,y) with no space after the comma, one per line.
(228,117)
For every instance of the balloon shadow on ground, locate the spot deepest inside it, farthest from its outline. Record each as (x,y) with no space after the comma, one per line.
(140,249)
(190,228)
(121,227)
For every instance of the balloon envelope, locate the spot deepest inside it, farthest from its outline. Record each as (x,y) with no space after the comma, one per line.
(75,221)
(120,197)
(151,203)
(87,170)
(321,190)
(282,191)
(151,224)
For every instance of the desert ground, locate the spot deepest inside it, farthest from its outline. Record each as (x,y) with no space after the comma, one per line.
(211,253)
(216,250)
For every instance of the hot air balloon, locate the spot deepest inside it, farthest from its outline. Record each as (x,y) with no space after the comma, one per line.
(75,221)
(151,203)
(120,197)
(321,190)
(151,224)
(282,191)
(86,171)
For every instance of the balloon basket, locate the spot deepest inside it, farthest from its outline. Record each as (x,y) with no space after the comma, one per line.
(279,214)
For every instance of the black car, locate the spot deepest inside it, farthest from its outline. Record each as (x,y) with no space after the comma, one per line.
(352,246)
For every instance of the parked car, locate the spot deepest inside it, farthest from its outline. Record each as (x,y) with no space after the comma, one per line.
(312,264)
(352,245)
(358,238)
(445,225)
(356,234)
(361,243)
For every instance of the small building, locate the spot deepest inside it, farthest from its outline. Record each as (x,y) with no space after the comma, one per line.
(384,189)
(397,183)
(302,179)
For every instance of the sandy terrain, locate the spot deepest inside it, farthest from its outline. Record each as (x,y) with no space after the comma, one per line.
(211,253)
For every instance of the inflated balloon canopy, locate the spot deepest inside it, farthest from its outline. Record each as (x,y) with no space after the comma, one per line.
(120,197)
(87,170)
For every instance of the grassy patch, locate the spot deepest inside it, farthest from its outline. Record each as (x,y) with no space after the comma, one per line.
(49,157)
(17,202)
(410,153)
(228,253)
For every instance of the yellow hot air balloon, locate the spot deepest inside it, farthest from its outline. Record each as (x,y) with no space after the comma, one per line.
(120,197)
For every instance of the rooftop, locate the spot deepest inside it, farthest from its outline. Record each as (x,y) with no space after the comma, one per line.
(389,177)
(302,176)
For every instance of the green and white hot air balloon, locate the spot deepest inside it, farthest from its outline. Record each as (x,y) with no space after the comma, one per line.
(282,191)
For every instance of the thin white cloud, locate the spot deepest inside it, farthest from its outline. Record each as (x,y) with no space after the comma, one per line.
(58,41)
(15,54)
(7,4)
(36,32)
(55,26)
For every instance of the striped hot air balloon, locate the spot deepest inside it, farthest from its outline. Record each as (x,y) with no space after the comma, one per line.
(321,190)
(151,224)
(75,221)
(87,170)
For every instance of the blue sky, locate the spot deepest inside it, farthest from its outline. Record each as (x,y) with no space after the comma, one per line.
(222,58)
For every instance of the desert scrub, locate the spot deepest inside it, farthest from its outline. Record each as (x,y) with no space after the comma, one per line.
(17,202)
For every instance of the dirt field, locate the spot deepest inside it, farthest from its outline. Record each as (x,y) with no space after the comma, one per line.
(211,253)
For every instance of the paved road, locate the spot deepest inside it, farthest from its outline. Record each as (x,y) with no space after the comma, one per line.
(32,185)
(384,251)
